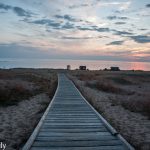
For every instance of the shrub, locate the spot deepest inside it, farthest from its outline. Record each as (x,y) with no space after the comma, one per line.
(138,104)
(121,80)
(11,96)
(104,86)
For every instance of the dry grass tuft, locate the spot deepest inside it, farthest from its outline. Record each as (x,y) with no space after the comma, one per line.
(20,84)
(105,87)
(121,80)
(11,96)
(139,104)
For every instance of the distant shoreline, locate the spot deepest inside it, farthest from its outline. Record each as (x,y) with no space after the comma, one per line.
(62,64)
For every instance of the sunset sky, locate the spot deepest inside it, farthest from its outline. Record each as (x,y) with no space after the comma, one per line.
(75,29)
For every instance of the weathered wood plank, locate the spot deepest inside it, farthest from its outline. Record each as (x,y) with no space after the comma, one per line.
(102,129)
(88,134)
(72,124)
(71,138)
(76,143)
(81,148)
(69,117)
(70,127)
(71,121)
(84,115)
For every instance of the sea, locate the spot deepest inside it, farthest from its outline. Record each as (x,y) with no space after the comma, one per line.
(7,63)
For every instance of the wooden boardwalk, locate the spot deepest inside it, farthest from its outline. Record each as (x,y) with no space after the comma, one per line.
(71,123)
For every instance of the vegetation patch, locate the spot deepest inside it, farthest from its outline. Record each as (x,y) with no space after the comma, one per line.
(105,87)
(13,95)
(139,104)
(121,80)
(21,84)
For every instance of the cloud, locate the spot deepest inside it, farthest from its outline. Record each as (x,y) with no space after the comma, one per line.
(136,38)
(102,29)
(123,18)
(112,17)
(5,7)
(78,6)
(116,43)
(81,38)
(115,17)
(53,24)
(93,28)
(148,5)
(121,5)
(141,38)
(120,23)
(18,10)
(19,50)
(125,5)
(59,16)
(68,26)
(84,28)
(47,22)
(122,32)
(21,12)
(143,29)
(13,50)
(66,17)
